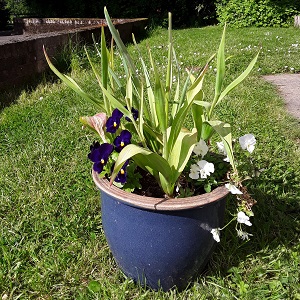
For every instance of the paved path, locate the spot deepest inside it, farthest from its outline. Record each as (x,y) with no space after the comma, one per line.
(289,87)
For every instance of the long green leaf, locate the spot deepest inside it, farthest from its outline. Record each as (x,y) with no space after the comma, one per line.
(197,84)
(104,68)
(224,131)
(220,64)
(145,159)
(238,80)
(179,119)
(160,97)
(72,84)
(115,102)
(198,113)
(128,62)
(181,153)
(169,67)
(107,106)
(220,69)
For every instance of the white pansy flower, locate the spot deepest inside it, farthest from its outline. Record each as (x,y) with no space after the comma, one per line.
(226,159)
(243,234)
(243,218)
(194,171)
(222,150)
(205,168)
(216,234)
(247,142)
(200,148)
(233,189)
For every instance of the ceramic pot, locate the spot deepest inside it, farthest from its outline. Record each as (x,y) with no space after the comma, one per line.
(160,243)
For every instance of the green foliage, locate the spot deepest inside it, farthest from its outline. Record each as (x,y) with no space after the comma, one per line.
(165,153)
(260,13)
(20,7)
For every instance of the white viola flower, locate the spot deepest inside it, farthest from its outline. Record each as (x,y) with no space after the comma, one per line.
(247,142)
(226,159)
(233,189)
(222,150)
(206,168)
(216,234)
(243,234)
(194,171)
(221,147)
(200,148)
(243,218)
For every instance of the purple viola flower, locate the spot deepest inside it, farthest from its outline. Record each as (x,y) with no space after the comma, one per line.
(122,175)
(93,147)
(113,122)
(135,114)
(122,140)
(99,155)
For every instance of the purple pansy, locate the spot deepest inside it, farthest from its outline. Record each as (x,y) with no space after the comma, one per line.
(135,114)
(122,140)
(99,155)
(122,175)
(113,122)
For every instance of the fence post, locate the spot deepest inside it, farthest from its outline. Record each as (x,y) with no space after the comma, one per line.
(297,21)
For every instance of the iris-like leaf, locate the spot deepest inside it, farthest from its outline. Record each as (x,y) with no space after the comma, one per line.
(145,159)
(224,130)
(220,64)
(128,62)
(238,80)
(197,112)
(72,84)
(181,152)
(196,86)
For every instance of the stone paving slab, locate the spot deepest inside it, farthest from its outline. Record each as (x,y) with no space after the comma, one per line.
(288,86)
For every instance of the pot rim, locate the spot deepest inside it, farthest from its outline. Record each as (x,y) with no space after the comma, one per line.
(152,203)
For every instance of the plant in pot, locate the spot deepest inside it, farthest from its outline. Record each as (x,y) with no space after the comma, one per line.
(163,188)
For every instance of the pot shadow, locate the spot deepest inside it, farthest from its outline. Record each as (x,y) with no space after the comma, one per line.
(274,224)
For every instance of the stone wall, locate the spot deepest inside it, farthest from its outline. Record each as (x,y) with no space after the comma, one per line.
(42,25)
(22,58)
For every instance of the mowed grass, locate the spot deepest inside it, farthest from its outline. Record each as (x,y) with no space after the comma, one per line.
(52,245)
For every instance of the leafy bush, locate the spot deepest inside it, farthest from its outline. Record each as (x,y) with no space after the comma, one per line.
(260,13)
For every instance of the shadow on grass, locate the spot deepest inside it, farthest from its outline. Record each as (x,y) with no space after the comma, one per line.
(275,225)
(11,94)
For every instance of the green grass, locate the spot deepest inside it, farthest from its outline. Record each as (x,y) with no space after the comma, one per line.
(52,244)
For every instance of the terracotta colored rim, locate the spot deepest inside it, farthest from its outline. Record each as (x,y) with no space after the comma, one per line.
(159,203)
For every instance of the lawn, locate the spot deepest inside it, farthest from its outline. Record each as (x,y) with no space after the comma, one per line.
(52,244)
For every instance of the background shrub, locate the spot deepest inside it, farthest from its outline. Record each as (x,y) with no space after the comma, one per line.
(260,13)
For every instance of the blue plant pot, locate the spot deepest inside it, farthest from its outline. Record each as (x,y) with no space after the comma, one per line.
(160,243)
